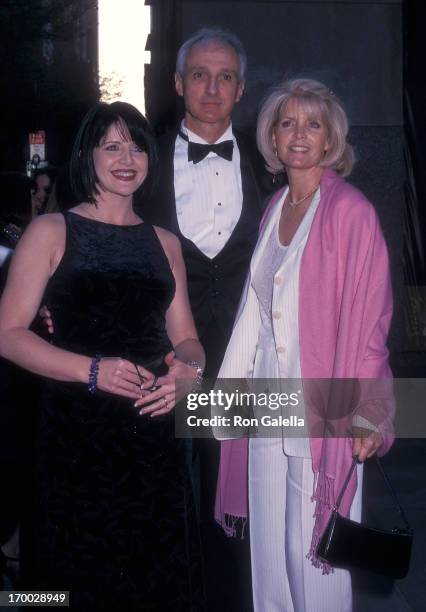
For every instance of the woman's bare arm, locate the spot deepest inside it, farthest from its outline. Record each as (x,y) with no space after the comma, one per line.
(35,259)
(182,333)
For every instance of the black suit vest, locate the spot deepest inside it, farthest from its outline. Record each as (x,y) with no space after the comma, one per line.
(214,285)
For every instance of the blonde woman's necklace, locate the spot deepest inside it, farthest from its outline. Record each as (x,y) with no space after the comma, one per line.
(305,197)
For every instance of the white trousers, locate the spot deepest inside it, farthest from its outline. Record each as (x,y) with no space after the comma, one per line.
(281,524)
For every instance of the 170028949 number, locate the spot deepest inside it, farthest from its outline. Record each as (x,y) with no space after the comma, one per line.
(34,598)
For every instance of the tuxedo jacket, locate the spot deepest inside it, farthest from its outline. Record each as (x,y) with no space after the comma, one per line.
(214,285)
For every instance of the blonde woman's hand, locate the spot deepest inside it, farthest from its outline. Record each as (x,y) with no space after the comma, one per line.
(365,443)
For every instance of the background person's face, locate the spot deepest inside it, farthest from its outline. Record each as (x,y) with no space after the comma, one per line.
(41,194)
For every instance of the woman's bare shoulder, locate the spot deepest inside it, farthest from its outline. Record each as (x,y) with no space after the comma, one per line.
(48,222)
(170,244)
(167,239)
(44,234)
(164,234)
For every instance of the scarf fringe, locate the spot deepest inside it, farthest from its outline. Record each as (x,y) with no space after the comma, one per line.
(316,561)
(234,526)
(323,495)
(323,492)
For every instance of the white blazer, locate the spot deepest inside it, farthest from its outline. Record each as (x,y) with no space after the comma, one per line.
(241,351)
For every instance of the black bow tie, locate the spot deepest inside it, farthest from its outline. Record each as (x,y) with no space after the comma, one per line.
(197,151)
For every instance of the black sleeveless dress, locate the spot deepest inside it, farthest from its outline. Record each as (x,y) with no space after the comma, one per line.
(117,518)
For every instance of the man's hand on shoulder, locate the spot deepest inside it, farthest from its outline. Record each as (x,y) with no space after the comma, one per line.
(46,319)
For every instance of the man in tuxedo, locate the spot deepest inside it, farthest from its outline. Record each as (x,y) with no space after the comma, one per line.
(209,195)
(208,191)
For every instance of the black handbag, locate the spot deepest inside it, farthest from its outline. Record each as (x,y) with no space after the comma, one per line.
(349,545)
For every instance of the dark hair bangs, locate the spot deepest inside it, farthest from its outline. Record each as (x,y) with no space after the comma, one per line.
(131,125)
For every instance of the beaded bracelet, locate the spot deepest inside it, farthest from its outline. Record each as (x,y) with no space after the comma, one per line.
(93,374)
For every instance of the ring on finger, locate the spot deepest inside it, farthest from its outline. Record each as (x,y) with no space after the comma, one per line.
(165,402)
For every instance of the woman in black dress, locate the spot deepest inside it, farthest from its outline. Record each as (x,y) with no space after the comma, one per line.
(116,514)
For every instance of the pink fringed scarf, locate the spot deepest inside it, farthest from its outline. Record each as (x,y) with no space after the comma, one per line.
(231,493)
(345,309)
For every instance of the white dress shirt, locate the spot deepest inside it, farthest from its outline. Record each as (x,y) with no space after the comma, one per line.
(208,195)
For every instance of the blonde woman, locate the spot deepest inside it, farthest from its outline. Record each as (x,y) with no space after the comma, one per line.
(317,304)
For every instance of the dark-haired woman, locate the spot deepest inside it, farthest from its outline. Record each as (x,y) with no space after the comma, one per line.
(117,524)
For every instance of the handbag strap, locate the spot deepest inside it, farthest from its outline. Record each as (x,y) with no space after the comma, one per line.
(345,484)
(393,493)
(398,508)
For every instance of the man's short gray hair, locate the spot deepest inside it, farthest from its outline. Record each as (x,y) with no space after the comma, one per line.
(206,35)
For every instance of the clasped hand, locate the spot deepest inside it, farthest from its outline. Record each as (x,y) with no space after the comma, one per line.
(155,396)
(168,394)
(120,377)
